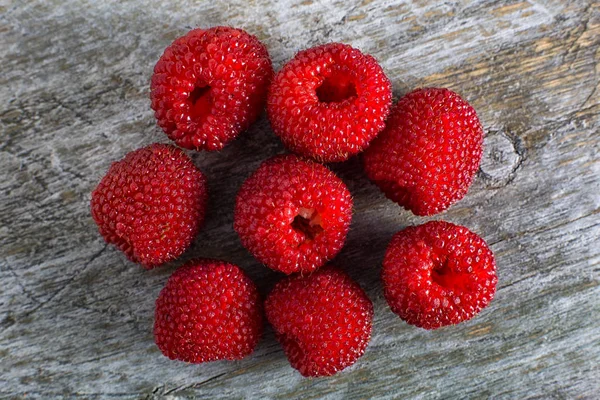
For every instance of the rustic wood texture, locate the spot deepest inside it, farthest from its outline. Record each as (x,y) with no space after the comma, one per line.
(76,317)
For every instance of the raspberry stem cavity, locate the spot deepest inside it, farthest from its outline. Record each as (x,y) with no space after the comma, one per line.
(307,223)
(337,87)
(200,102)
(444,276)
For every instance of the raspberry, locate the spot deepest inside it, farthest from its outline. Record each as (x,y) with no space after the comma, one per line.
(438,274)
(209,86)
(329,102)
(323,320)
(209,310)
(151,204)
(428,154)
(292,214)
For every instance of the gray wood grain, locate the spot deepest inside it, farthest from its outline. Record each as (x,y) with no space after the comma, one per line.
(76,316)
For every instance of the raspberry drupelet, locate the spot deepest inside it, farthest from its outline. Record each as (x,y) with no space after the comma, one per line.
(323,320)
(329,102)
(209,86)
(438,274)
(209,310)
(151,204)
(427,156)
(293,214)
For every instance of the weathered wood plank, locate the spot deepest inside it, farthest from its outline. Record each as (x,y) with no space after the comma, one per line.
(76,317)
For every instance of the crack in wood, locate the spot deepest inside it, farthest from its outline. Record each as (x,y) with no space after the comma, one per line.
(194,385)
(68,282)
(25,291)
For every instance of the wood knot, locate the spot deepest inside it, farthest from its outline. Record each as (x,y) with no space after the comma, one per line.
(503,154)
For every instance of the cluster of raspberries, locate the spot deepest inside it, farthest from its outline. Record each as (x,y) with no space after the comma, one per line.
(328,103)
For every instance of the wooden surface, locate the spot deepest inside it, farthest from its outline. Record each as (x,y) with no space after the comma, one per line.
(76,317)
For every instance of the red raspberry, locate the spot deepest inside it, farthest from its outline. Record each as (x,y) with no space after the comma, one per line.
(429,152)
(329,102)
(323,320)
(209,310)
(209,86)
(438,274)
(292,214)
(151,204)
